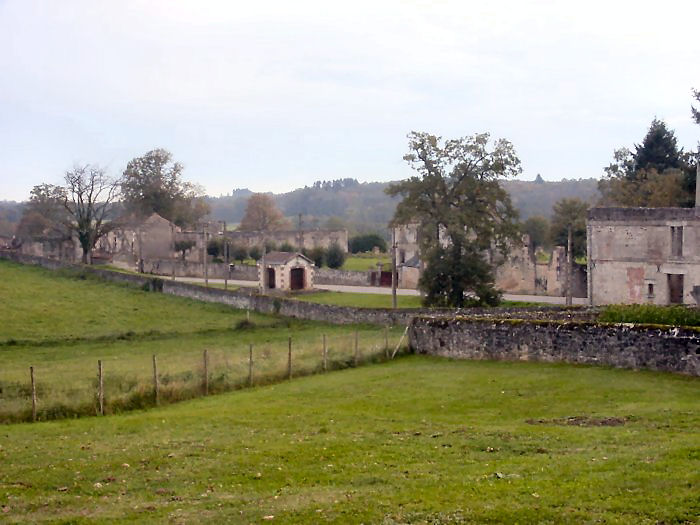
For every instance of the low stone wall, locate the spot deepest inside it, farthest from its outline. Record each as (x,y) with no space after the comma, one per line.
(246,298)
(341,277)
(622,346)
(165,267)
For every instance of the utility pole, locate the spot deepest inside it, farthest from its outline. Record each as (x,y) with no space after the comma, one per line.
(228,266)
(569,266)
(393,267)
(172,247)
(205,240)
(301,235)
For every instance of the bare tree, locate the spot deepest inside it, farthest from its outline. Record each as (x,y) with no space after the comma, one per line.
(87,197)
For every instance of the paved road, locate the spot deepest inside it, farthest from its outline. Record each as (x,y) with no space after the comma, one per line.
(387,291)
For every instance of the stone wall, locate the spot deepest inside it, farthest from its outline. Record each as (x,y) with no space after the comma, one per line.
(246,298)
(164,267)
(341,277)
(643,255)
(622,346)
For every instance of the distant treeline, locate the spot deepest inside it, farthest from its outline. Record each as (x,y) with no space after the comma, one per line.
(359,207)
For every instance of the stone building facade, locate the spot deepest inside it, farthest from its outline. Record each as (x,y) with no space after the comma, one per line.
(519,273)
(299,239)
(644,255)
(285,271)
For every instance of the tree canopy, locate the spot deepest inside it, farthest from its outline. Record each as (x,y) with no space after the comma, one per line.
(79,208)
(570,212)
(262,214)
(656,173)
(461,209)
(695,111)
(153,183)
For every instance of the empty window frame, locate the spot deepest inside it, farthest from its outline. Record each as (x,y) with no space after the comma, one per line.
(676,241)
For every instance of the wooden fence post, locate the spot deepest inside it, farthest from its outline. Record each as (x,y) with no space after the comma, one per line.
(357,350)
(31,375)
(289,360)
(156,393)
(250,365)
(206,372)
(386,342)
(325,354)
(100,388)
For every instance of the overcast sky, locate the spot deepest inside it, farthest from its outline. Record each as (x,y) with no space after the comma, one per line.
(275,95)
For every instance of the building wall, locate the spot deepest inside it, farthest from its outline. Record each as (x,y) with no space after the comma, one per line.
(283,280)
(519,273)
(305,239)
(631,254)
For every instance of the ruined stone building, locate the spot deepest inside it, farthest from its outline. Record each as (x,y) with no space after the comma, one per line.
(644,255)
(519,273)
(299,239)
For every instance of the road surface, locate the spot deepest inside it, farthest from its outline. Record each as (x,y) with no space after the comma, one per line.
(387,291)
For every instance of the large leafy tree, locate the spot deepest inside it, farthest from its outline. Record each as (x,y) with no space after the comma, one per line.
(262,214)
(656,173)
(570,213)
(81,207)
(462,212)
(153,183)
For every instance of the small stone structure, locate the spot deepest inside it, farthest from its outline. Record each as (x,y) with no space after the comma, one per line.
(285,271)
(643,255)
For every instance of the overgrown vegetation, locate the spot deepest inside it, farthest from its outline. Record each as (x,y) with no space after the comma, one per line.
(651,314)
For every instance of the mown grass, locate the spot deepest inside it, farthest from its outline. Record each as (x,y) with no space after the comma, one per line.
(370,300)
(69,324)
(38,304)
(417,440)
(365,262)
(360,300)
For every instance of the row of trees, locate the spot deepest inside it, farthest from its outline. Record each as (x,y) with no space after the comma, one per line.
(333,257)
(90,203)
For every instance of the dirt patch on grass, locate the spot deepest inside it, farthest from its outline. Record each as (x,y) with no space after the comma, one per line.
(581,421)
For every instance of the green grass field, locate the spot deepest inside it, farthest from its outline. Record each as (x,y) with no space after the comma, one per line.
(364,262)
(416,440)
(62,325)
(360,300)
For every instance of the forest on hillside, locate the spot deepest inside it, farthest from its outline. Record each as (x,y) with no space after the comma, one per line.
(359,207)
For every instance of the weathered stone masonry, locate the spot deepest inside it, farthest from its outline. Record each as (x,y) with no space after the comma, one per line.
(621,346)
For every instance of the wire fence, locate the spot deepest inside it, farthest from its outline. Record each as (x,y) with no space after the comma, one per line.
(109,387)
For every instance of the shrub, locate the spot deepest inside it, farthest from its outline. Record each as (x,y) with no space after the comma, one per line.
(317,255)
(255,253)
(215,247)
(366,243)
(651,314)
(335,256)
(239,253)
(270,246)
(286,247)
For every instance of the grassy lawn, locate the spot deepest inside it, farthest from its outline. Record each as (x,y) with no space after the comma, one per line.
(416,440)
(360,300)
(364,262)
(62,325)
(38,304)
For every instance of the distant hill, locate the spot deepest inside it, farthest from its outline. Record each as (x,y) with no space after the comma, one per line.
(359,207)
(364,207)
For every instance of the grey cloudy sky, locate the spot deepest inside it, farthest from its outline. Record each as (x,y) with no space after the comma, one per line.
(275,95)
